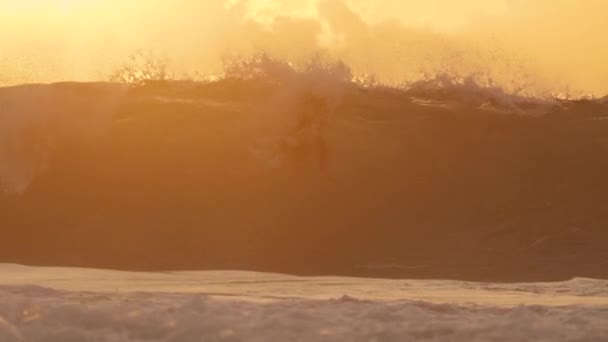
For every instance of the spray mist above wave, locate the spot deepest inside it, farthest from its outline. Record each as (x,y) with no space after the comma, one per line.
(541,44)
(322,73)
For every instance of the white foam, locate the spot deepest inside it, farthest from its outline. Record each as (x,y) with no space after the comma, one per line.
(60,304)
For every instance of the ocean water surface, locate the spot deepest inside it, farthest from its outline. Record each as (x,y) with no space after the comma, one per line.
(76,304)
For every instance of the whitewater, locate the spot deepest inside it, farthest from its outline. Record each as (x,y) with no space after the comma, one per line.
(72,304)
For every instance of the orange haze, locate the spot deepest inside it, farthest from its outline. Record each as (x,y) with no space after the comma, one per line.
(545,45)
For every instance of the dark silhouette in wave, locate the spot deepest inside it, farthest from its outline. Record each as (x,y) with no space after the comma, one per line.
(306,178)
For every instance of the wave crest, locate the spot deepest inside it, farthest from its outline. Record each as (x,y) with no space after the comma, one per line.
(324,75)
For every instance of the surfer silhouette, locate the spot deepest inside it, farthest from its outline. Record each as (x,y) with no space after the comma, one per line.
(306,138)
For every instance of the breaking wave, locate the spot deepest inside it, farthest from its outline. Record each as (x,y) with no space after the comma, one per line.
(303,155)
(284,84)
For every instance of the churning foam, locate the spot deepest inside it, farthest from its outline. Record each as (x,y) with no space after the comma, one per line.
(248,306)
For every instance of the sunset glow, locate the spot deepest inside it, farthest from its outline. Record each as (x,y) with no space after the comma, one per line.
(87,40)
(303,170)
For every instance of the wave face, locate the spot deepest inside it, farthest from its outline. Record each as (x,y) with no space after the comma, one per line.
(305,171)
(85,304)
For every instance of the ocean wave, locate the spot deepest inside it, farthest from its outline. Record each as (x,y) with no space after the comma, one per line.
(255,86)
(304,155)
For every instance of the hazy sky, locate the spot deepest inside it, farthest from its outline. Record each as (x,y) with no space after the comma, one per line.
(557,43)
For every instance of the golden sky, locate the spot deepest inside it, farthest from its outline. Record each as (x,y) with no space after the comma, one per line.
(557,43)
